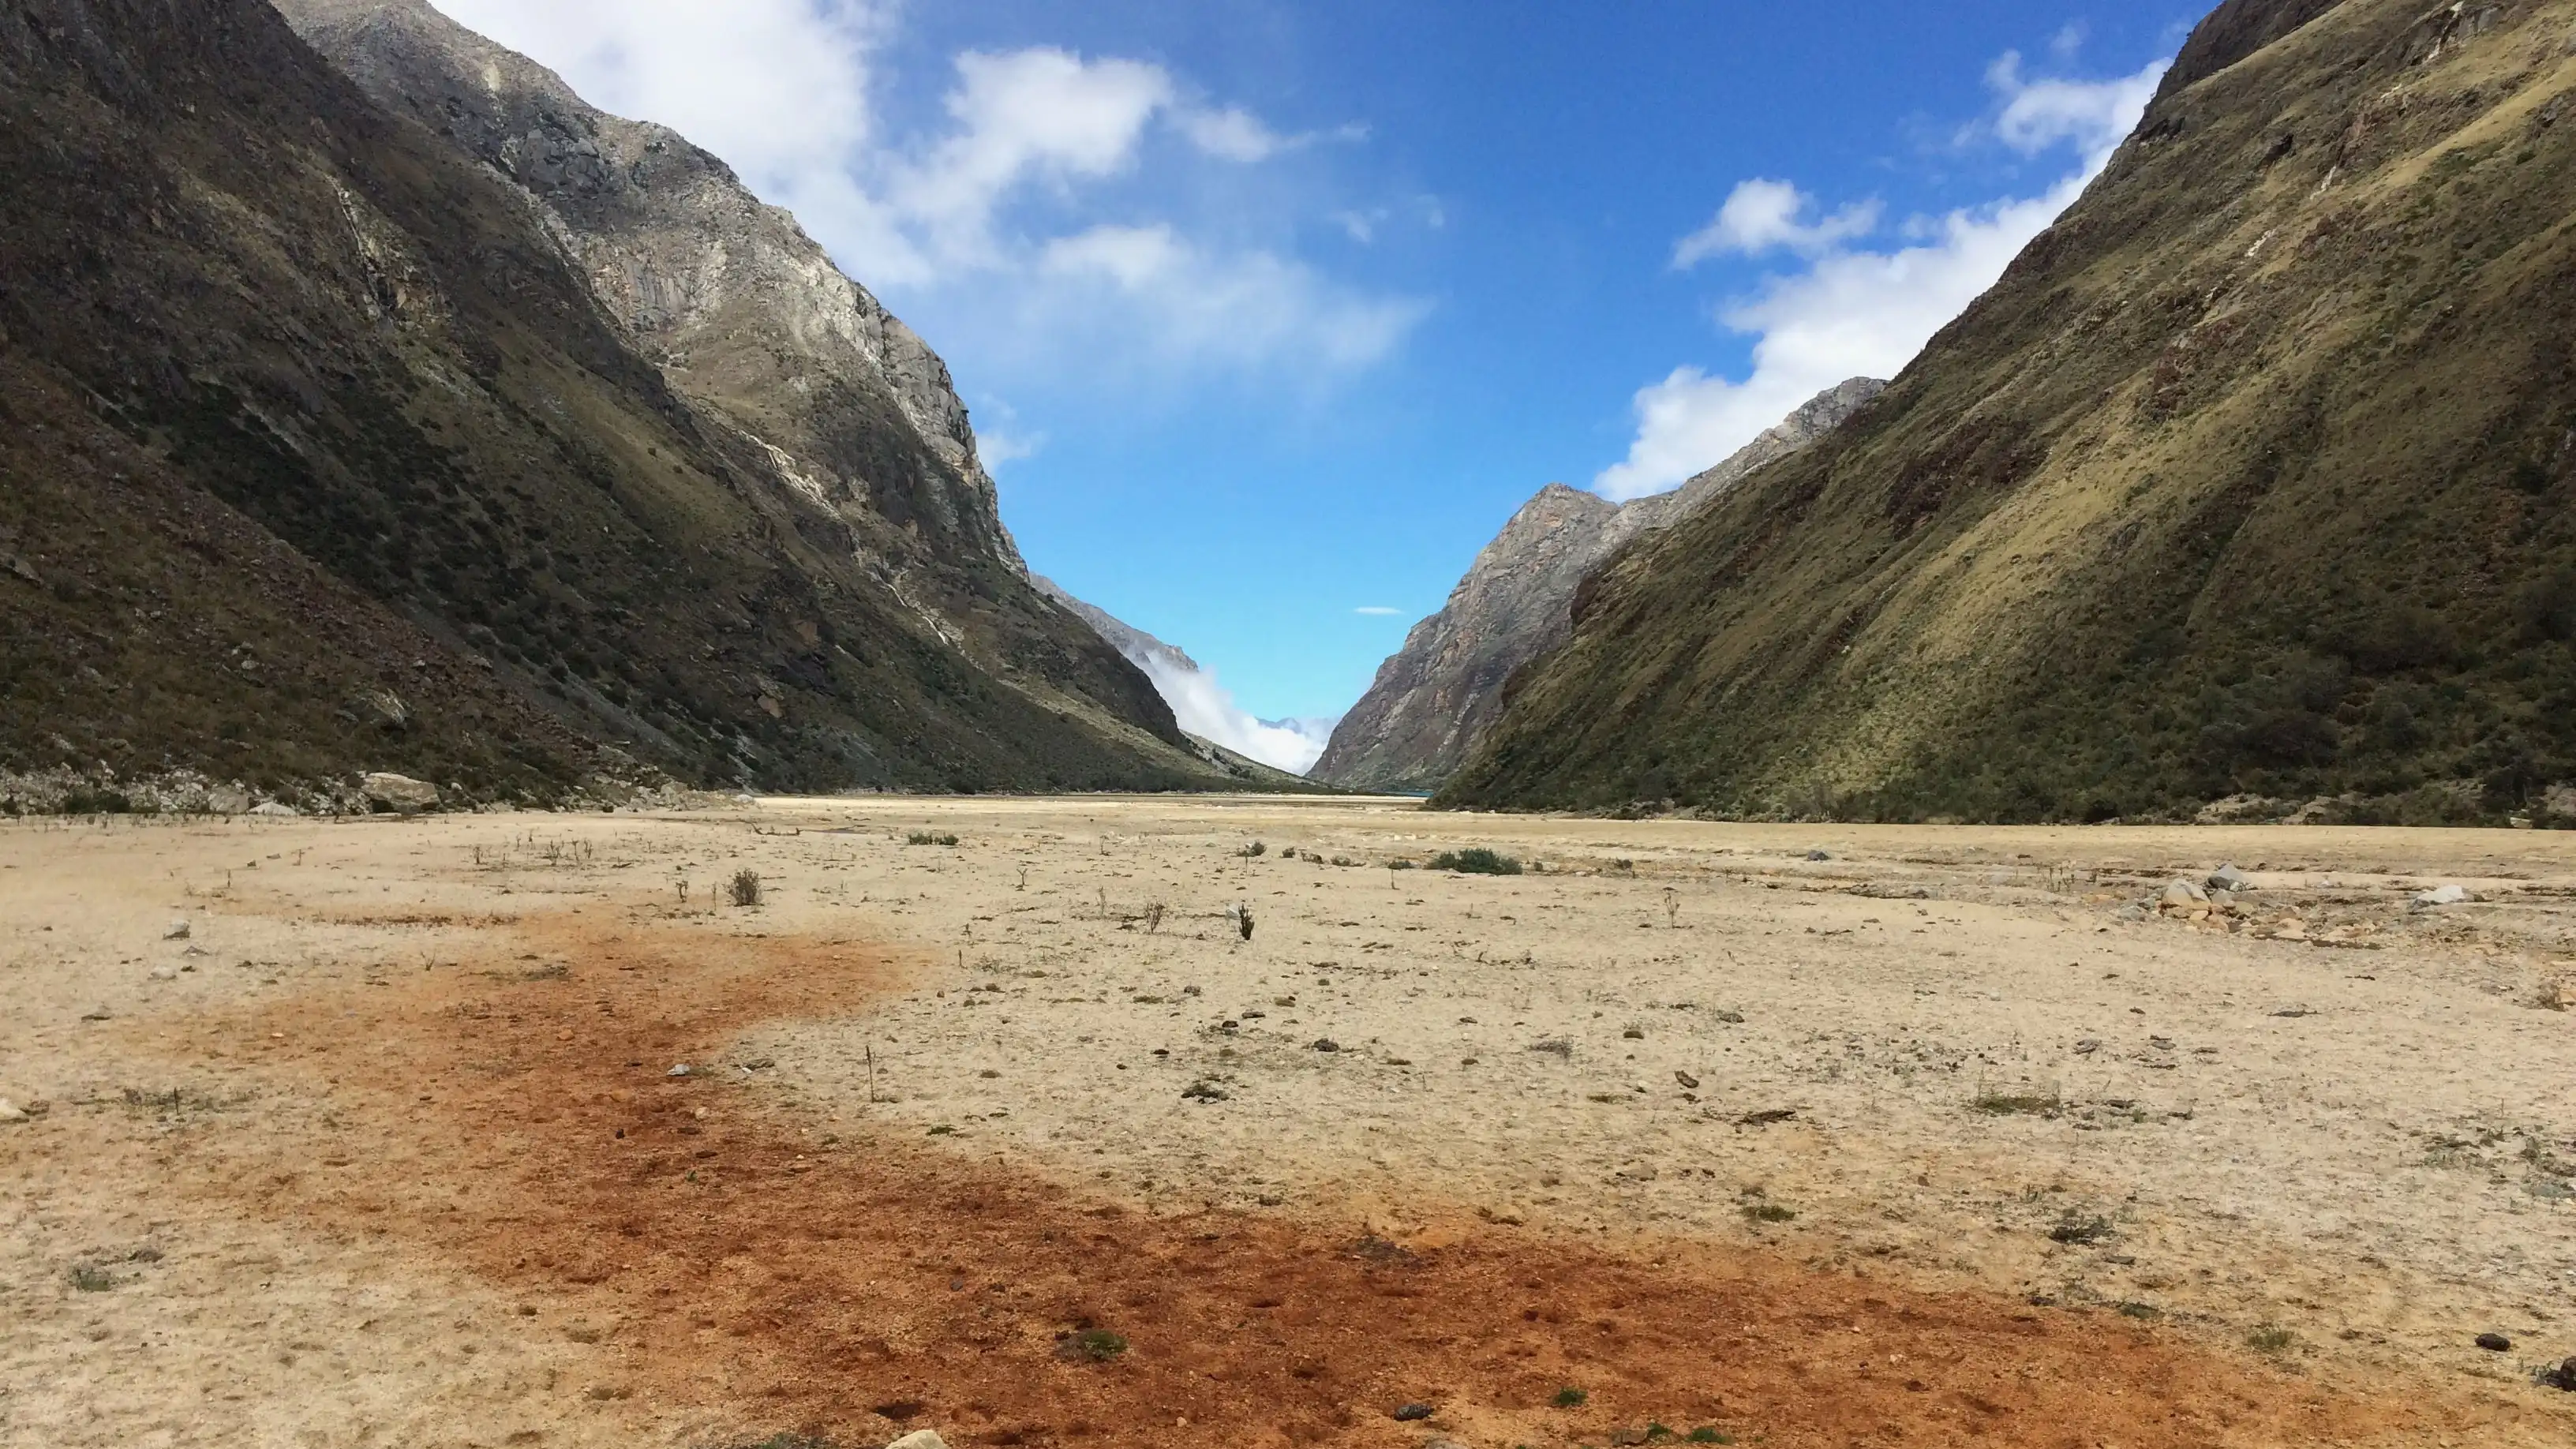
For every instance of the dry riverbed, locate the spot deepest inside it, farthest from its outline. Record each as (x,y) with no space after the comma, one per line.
(1811,1135)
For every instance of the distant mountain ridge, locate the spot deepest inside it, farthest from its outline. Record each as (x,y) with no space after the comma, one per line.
(2250,489)
(1434,697)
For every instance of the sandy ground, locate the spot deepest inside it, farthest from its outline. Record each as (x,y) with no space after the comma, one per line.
(1825,1135)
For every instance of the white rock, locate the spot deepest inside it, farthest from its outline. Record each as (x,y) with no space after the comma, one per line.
(178,931)
(2449,895)
(11,1111)
(164,973)
(273,808)
(681,1070)
(920,1439)
(399,792)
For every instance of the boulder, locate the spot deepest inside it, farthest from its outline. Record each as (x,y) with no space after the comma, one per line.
(2183,898)
(2229,878)
(399,792)
(920,1439)
(273,808)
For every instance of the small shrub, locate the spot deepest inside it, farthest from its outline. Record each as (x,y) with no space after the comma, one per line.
(2076,1230)
(1153,918)
(1707,1434)
(1094,1345)
(925,837)
(1400,865)
(745,888)
(2270,1338)
(90,1279)
(1254,851)
(2025,1104)
(1571,1398)
(1768,1212)
(1478,861)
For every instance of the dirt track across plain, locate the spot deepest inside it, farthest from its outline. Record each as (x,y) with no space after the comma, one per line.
(1820,1135)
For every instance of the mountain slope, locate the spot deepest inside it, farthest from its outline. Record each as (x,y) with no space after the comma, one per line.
(324,391)
(2251,477)
(1434,697)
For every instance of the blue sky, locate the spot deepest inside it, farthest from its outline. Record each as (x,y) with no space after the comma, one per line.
(1271,313)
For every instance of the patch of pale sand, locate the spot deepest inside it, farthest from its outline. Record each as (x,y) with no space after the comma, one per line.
(2378,1174)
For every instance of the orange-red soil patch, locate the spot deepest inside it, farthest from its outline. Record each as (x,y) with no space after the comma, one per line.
(516,1120)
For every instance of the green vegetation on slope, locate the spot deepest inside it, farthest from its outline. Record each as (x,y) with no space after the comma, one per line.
(2252,477)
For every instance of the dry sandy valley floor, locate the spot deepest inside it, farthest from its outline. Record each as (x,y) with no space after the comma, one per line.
(513,1130)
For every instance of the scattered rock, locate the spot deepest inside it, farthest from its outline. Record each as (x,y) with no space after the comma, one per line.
(1819,855)
(2561,1378)
(1634,1033)
(1326,1044)
(2495,1343)
(2449,895)
(2087,1047)
(1769,1118)
(1555,1046)
(1413,1413)
(1689,1082)
(11,1111)
(920,1439)
(178,931)
(100,1014)
(1731,1018)
(1202,1092)
(2183,898)
(2293,1013)
(680,1070)
(398,792)
(164,973)
(275,809)
(2229,878)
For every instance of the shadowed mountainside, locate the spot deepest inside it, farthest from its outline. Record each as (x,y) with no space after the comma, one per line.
(326,450)
(2251,481)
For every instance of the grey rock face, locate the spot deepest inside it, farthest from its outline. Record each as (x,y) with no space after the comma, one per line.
(741,308)
(1438,693)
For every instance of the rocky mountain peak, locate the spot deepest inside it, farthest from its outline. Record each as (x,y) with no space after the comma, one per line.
(1436,695)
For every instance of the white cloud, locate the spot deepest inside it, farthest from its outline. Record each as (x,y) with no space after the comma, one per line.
(1207,710)
(988,206)
(1238,306)
(1854,312)
(1379,611)
(1761,216)
(2094,115)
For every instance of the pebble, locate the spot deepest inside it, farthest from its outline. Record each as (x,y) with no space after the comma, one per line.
(1413,1413)
(2495,1343)
(178,931)
(1687,1080)
(681,1070)
(164,973)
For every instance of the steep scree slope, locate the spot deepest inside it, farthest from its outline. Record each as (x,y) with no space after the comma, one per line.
(2253,477)
(322,454)
(1434,697)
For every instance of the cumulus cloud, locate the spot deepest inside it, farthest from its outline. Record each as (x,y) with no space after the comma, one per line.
(1763,215)
(988,204)
(1853,310)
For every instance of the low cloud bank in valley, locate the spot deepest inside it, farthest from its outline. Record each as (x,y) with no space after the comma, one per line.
(1205,709)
